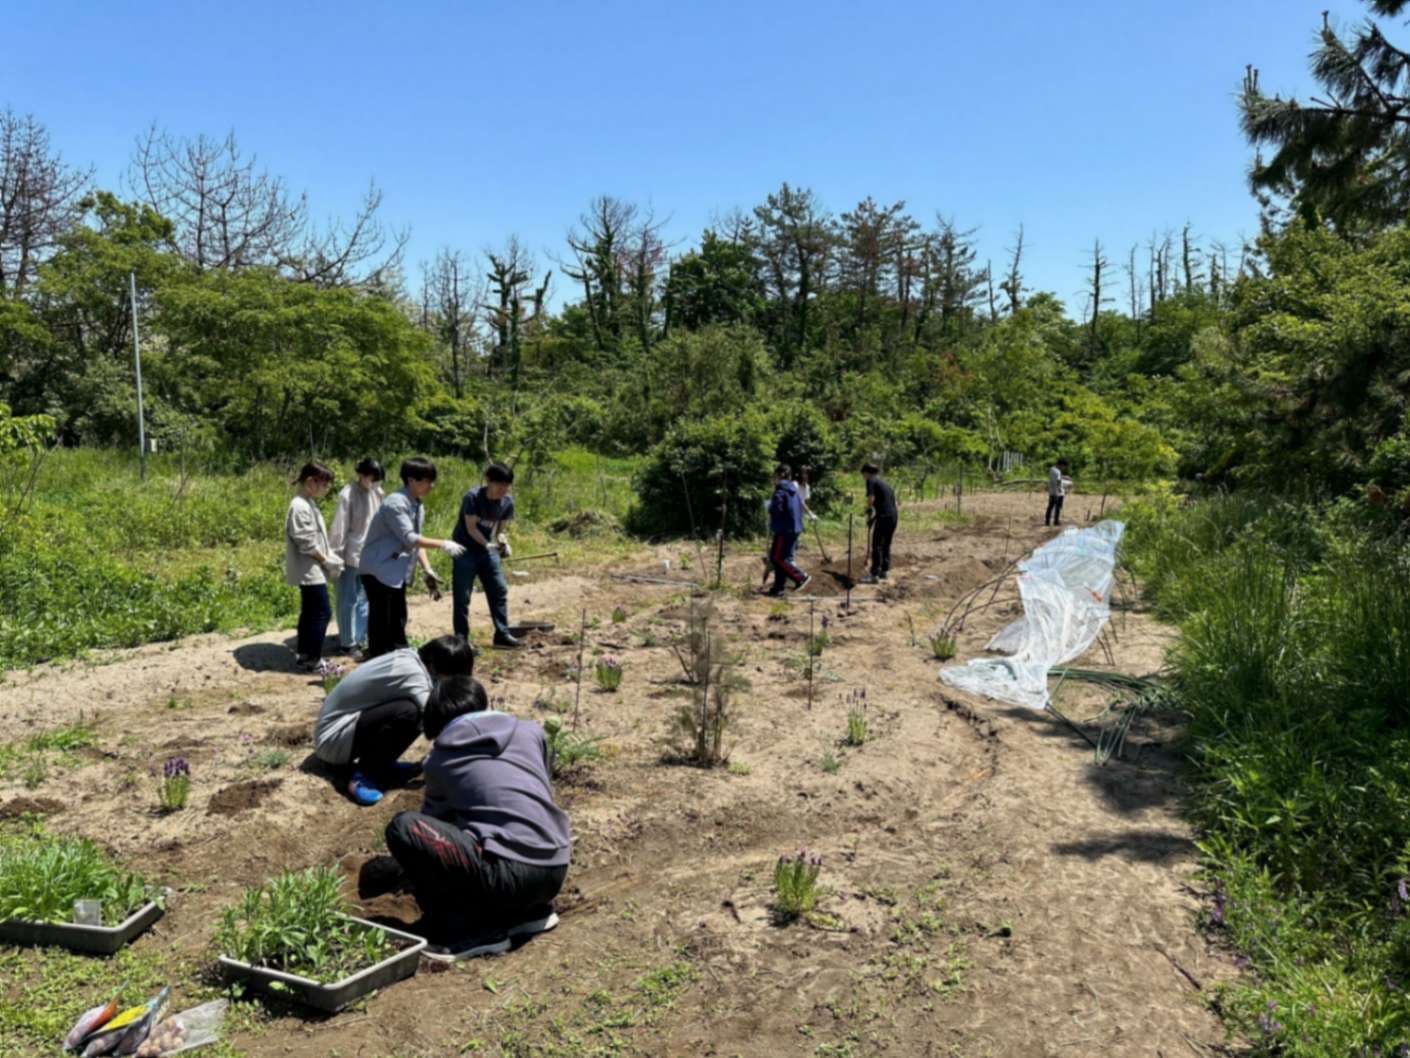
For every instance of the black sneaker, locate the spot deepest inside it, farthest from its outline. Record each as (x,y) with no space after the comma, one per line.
(868,579)
(536,920)
(807,579)
(469,946)
(506,642)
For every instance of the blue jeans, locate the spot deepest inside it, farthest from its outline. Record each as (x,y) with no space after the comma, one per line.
(314,614)
(352,610)
(477,563)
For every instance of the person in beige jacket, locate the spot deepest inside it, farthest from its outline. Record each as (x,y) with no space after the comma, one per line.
(357,503)
(309,561)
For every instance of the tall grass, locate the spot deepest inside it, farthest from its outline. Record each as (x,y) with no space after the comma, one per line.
(1295,665)
(98,558)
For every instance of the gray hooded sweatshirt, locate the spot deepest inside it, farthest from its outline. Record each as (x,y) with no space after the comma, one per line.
(488,774)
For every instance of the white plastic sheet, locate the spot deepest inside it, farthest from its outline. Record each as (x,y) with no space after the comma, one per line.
(1065,586)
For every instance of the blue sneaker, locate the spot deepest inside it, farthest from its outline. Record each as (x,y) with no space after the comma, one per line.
(361,790)
(403,771)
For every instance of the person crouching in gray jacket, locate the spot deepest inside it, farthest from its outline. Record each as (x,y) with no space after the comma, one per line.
(490,848)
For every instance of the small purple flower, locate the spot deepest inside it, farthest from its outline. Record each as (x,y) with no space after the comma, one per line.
(825,622)
(175,767)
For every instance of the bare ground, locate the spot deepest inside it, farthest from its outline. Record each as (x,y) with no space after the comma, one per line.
(991,890)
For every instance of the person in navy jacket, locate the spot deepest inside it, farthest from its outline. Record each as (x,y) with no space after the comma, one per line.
(786,524)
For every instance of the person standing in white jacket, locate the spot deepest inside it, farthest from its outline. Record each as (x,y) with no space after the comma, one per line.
(309,561)
(357,504)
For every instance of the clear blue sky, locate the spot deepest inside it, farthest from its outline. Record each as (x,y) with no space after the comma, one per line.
(1106,119)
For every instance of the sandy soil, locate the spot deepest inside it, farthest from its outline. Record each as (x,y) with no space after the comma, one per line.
(991,890)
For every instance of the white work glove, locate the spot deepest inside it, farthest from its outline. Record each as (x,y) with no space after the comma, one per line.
(334,566)
(451,548)
(504,548)
(812,517)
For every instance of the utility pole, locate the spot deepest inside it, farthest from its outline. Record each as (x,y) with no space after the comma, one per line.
(137,357)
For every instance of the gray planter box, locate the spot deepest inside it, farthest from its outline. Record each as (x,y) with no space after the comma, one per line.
(334,997)
(94,940)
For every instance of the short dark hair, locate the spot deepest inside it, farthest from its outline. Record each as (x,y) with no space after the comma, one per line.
(317,471)
(870,468)
(1061,463)
(499,473)
(783,470)
(447,656)
(451,698)
(371,468)
(418,469)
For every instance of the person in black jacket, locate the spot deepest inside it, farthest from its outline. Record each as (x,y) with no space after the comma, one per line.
(882,516)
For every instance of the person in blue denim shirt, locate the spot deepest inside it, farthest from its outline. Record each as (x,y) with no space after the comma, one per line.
(394,547)
(484,511)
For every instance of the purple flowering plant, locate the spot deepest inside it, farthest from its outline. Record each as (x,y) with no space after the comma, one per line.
(796,891)
(175,785)
(608,671)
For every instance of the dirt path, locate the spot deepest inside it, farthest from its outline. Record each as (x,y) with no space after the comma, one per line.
(991,890)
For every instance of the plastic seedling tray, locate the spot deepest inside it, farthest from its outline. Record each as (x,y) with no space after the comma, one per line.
(334,997)
(94,940)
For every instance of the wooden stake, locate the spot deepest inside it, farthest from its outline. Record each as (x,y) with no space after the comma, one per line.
(812,609)
(850,518)
(582,638)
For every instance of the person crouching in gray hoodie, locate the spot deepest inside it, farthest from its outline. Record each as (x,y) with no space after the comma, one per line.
(490,848)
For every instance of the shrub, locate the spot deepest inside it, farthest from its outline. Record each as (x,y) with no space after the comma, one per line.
(699,466)
(298,923)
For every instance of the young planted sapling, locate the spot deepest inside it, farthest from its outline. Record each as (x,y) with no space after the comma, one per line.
(942,646)
(608,672)
(857,717)
(331,673)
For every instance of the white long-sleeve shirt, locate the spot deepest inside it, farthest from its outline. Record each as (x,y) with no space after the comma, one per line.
(351,520)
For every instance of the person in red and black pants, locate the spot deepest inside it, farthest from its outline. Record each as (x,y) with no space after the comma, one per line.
(786,524)
(882,516)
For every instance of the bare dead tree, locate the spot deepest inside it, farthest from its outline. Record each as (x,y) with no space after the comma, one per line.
(989,283)
(511,273)
(1012,286)
(40,199)
(1188,254)
(646,252)
(1097,294)
(452,298)
(599,245)
(228,213)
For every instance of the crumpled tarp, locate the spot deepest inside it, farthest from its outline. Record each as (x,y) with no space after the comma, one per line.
(1065,586)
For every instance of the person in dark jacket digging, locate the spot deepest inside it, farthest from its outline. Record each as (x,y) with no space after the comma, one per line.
(786,524)
(489,849)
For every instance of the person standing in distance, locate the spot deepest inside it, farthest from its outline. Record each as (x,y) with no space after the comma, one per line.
(394,546)
(309,561)
(484,511)
(882,515)
(1058,484)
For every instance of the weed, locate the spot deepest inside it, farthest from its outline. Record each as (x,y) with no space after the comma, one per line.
(272,759)
(608,672)
(649,639)
(739,768)
(830,763)
(857,717)
(619,614)
(778,612)
(175,784)
(819,643)
(548,701)
(298,923)
(41,876)
(176,703)
(796,891)
(35,772)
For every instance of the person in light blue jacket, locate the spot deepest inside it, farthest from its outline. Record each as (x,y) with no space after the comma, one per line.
(394,546)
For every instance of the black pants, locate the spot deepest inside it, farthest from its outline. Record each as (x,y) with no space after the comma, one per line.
(383,733)
(882,530)
(386,617)
(1053,516)
(457,883)
(314,615)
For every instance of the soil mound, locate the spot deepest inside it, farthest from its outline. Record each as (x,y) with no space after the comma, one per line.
(242,796)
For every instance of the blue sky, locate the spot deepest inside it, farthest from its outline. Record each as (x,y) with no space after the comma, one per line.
(1107,119)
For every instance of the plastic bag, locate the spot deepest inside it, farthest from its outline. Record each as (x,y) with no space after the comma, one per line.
(1065,586)
(186,1031)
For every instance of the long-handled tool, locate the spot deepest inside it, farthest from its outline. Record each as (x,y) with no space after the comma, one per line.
(818,536)
(515,559)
